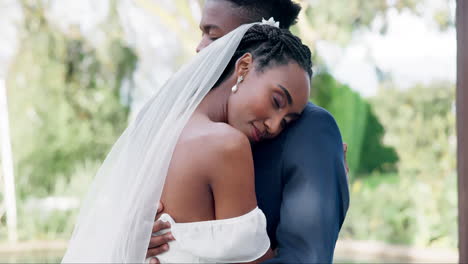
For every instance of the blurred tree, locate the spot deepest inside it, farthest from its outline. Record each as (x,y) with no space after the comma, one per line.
(330,20)
(420,125)
(419,205)
(65,98)
(336,21)
(425,111)
(359,126)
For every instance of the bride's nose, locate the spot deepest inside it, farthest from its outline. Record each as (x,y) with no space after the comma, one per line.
(273,124)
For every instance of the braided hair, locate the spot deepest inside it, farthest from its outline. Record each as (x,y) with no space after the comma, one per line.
(270,46)
(284,11)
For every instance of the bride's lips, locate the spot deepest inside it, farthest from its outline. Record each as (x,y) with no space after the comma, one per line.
(256,134)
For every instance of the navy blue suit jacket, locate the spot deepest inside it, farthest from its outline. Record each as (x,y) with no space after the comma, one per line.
(302,188)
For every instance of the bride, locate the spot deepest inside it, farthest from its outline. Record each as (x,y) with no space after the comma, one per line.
(189,147)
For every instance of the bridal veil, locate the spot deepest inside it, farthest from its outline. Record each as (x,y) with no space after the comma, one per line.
(116,218)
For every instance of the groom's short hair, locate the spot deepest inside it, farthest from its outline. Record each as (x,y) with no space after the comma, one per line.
(284,11)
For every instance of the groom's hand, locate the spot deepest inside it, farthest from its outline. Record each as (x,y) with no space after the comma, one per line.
(159,244)
(345,149)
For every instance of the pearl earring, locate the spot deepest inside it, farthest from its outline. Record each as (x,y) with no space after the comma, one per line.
(235,87)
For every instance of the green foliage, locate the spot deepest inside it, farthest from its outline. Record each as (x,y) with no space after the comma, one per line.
(420,207)
(376,156)
(40,222)
(359,126)
(380,212)
(334,21)
(403,211)
(428,113)
(64,100)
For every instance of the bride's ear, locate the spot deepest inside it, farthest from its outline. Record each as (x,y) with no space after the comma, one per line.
(244,64)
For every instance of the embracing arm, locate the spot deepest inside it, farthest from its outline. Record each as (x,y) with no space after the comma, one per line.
(315,195)
(232,177)
(233,183)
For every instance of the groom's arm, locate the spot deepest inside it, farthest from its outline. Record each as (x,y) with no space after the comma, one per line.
(159,244)
(315,195)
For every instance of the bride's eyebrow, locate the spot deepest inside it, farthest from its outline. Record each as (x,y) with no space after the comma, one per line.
(288,95)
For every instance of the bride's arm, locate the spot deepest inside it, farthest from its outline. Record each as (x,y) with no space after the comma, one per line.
(232,176)
(232,181)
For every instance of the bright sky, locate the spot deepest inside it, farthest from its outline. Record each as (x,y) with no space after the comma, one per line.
(413,51)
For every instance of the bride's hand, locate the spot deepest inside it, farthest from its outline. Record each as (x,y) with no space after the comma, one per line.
(159,244)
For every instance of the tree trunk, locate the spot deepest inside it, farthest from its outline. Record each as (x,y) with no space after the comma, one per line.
(7,164)
(462,127)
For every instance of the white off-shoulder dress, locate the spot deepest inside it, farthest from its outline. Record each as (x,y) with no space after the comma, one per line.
(233,240)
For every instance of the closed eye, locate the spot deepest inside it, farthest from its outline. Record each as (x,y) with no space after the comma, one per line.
(208,35)
(276,102)
(279,100)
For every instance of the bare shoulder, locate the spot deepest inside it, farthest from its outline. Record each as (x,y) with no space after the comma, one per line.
(228,140)
(231,172)
(223,147)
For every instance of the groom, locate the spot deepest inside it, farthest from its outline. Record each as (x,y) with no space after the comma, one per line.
(300,176)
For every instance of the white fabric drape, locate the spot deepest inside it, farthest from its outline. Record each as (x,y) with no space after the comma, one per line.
(116,218)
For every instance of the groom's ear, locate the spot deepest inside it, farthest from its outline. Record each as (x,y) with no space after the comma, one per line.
(244,64)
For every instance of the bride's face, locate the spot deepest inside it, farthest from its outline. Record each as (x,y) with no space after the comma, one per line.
(267,101)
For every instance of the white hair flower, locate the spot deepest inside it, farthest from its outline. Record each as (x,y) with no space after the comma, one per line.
(270,22)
